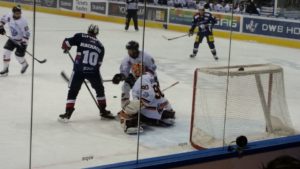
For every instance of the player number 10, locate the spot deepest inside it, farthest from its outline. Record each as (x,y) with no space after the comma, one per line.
(90,58)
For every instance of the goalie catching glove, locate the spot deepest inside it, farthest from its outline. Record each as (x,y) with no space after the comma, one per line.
(118,77)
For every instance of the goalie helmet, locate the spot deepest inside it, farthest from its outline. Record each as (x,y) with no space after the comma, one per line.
(133,45)
(137,69)
(93,30)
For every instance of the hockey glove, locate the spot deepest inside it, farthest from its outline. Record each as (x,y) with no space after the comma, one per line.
(130,80)
(191,32)
(117,78)
(23,44)
(2,30)
(65,47)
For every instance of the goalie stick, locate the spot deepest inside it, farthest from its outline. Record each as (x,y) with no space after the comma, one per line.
(67,79)
(174,37)
(40,61)
(172,85)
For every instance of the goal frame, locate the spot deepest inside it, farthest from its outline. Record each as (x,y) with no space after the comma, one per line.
(236,71)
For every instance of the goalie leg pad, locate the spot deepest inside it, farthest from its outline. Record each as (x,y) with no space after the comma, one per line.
(168,114)
(129,123)
(132,107)
(168,117)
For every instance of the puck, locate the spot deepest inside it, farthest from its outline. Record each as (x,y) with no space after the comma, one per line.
(114,96)
(241,69)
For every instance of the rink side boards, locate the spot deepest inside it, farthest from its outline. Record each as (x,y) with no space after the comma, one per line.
(254,156)
(174,27)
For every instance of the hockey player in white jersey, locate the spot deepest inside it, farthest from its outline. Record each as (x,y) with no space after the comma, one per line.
(20,34)
(155,108)
(134,57)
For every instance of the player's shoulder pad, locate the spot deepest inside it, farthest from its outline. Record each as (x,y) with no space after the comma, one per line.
(100,44)
(78,35)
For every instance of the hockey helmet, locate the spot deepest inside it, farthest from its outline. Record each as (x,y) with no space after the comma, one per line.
(16,9)
(93,30)
(133,45)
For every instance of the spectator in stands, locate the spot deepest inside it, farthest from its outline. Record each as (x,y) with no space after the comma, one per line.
(163,2)
(236,8)
(211,5)
(251,8)
(207,7)
(227,7)
(191,4)
(219,7)
(179,3)
(283,162)
(201,3)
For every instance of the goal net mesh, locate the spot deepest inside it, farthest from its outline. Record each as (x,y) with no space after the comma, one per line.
(234,101)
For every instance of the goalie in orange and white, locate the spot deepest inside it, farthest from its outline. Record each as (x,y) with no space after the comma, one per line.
(148,99)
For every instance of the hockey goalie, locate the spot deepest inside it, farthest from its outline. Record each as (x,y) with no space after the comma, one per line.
(149,101)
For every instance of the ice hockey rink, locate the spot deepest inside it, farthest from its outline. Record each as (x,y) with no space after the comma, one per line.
(86,140)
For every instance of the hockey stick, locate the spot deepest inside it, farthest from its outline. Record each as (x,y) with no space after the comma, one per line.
(170,86)
(64,76)
(40,61)
(67,79)
(175,37)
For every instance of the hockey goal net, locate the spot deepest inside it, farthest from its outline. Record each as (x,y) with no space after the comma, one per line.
(238,100)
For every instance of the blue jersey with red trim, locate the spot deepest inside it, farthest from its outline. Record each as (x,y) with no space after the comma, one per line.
(90,52)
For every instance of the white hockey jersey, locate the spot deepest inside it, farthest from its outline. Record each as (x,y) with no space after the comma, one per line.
(19,29)
(153,99)
(128,61)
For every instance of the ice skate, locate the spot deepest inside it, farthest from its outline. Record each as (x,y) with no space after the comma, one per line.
(192,55)
(66,117)
(107,115)
(24,68)
(216,57)
(4,72)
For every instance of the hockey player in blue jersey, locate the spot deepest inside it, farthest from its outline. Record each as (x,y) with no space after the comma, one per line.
(205,22)
(89,57)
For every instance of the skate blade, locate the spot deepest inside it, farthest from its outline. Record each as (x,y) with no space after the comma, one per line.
(134,130)
(63,120)
(108,118)
(4,75)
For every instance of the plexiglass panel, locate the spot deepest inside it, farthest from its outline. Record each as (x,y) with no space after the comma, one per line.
(16,85)
(52,116)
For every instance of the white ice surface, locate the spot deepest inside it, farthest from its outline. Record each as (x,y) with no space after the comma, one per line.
(56,145)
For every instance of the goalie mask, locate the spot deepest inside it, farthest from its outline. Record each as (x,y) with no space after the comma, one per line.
(137,69)
(93,30)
